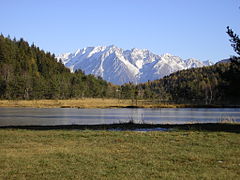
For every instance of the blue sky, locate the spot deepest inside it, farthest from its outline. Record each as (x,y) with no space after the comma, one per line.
(186,28)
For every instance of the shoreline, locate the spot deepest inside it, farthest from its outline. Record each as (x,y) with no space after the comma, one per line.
(89,103)
(211,127)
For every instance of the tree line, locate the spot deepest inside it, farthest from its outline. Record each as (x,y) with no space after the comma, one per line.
(27,72)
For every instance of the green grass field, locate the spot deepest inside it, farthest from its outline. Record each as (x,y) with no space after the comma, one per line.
(89,154)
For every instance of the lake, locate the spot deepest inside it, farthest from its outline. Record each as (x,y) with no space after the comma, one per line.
(72,116)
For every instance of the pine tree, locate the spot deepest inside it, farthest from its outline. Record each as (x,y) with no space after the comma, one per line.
(235,40)
(233,75)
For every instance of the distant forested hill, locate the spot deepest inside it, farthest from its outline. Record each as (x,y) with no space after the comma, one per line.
(208,85)
(26,72)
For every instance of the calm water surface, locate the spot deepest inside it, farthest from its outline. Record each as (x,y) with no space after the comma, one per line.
(60,116)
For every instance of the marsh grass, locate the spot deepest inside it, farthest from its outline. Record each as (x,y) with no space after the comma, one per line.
(70,103)
(62,154)
(97,103)
(227,119)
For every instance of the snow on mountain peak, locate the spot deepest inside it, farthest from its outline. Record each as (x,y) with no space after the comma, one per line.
(121,66)
(78,50)
(208,63)
(166,55)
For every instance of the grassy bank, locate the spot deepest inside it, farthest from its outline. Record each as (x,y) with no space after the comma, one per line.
(62,154)
(71,103)
(98,103)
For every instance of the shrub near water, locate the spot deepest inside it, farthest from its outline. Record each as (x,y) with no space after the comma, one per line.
(62,154)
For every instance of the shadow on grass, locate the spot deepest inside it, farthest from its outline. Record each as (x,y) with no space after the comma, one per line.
(214,127)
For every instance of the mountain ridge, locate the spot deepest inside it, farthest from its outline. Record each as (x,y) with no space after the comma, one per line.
(120,66)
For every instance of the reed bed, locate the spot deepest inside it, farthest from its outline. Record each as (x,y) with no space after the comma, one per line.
(102,103)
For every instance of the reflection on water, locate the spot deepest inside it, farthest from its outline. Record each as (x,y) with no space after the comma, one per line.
(59,116)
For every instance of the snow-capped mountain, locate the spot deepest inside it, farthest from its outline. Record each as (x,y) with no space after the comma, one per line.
(122,66)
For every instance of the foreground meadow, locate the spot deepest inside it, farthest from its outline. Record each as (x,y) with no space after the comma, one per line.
(88,154)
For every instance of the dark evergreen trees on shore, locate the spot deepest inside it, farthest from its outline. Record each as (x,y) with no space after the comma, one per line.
(26,72)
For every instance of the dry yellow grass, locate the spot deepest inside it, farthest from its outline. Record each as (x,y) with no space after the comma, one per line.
(95,103)
(71,103)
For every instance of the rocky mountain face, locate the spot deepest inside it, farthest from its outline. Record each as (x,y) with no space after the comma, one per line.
(120,66)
